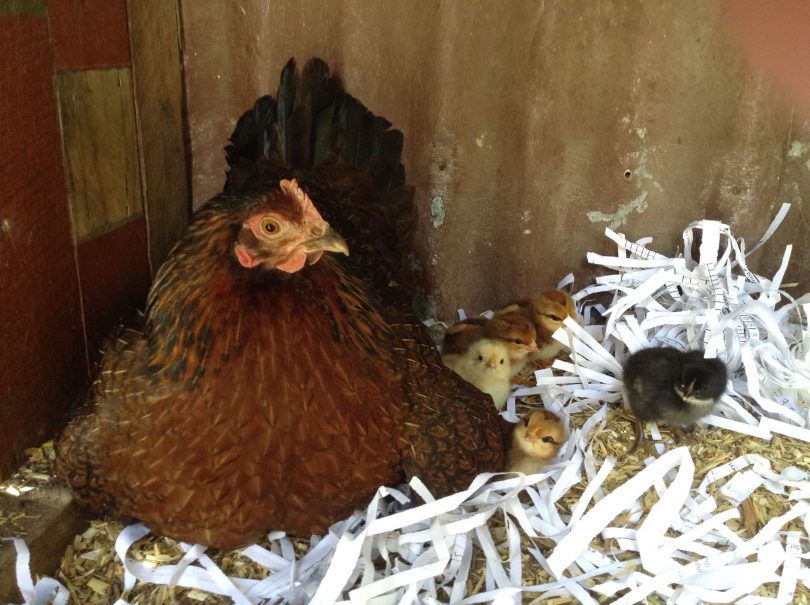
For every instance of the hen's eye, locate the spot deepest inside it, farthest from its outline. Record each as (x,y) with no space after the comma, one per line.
(270,227)
(548,439)
(556,318)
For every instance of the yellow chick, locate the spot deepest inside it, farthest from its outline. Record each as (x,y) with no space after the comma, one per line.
(485,365)
(547,311)
(513,330)
(535,441)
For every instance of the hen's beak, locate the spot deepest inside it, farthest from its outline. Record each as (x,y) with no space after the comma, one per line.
(330,241)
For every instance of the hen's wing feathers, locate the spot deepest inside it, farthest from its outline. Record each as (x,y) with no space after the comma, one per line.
(452,432)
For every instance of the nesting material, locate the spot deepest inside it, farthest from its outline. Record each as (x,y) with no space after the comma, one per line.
(724,519)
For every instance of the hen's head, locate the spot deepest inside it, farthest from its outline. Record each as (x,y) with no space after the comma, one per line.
(285,232)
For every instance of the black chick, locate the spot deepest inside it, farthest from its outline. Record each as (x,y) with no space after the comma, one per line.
(676,387)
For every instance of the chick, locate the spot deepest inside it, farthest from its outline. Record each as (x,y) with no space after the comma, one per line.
(513,330)
(547,311)
(535,441)
(485,364)
(663,383)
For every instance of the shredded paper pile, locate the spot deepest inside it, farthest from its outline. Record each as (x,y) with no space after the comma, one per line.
(664,532)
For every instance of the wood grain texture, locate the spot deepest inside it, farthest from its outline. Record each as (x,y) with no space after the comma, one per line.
(43,365)
(30,8)
(521,123)
(155,39)
(89,33)
(97,116)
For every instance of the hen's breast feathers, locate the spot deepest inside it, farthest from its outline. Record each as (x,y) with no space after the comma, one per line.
(312,360)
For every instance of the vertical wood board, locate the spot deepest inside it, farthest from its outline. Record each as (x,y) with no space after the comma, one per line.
(102,168)
(158,83)
(43,365)
(114,273)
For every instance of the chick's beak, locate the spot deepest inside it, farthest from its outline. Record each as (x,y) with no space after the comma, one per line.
(492,362)
(689,388)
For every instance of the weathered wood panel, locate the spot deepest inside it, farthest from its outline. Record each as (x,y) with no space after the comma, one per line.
(28,8)
(529,126)
(97,116)
(158,81)
(43,363)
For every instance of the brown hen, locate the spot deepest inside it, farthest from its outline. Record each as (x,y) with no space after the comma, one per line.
(273,384)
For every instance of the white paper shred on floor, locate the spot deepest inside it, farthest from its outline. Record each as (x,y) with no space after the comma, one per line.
(686,551)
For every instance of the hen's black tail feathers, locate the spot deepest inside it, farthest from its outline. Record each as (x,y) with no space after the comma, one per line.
(344,156)
(311,120)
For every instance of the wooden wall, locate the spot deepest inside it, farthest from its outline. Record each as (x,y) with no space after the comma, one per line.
(529,126)
(85,158)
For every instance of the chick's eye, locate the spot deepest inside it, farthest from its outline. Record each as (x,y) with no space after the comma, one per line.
(501,361)
(519,341)
(270,227)
(556,317)
(480,358)
(548,439)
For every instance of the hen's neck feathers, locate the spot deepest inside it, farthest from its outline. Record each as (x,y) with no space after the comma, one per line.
(204,308)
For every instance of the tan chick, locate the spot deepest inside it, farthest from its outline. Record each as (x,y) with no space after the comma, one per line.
(513,330)
(547,311)
(535,442)
(485,365)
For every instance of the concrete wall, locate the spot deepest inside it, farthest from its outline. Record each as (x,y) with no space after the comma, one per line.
(529,126)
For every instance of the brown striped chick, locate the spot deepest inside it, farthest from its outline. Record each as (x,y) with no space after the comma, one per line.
(513,330)
(485,365)
(535,442)
(547,311)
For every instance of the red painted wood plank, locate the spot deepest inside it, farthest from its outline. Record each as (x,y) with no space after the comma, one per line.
(114,273)
(89,33)
(43,366)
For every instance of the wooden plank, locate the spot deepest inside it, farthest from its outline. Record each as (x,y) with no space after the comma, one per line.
(50,520)
(114,273)
(155,40)
(43,367)
(97,116)
(89,33)
(27,8)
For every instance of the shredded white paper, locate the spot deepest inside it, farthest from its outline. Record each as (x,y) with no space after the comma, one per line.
(681,549)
